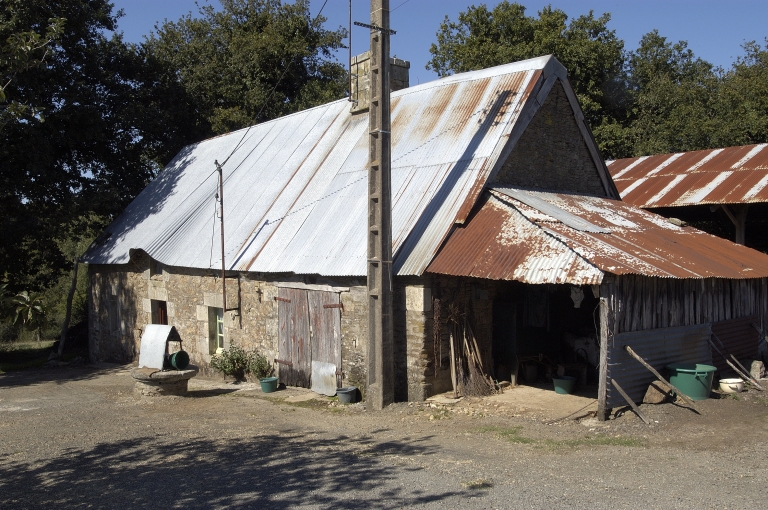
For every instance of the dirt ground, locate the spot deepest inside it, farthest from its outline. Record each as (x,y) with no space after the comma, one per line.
(78,437)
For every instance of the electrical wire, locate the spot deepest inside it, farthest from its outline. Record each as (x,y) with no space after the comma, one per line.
(402,4)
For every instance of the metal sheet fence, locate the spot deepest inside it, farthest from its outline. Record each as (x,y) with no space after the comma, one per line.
(659,347)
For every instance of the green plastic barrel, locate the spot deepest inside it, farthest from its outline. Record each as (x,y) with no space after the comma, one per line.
(178,360)
(693,379)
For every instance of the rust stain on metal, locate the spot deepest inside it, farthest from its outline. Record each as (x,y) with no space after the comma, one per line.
(506,239)
(732,175)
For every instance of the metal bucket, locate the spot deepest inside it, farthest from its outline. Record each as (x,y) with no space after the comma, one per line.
(178,360)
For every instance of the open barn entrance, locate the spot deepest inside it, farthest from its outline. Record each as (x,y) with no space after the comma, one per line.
(544,331)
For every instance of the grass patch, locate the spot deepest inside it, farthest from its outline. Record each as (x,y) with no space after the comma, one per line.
(593,441)
(511,434)
(23,355)
(478,485)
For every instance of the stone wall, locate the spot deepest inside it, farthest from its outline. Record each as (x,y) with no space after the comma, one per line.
(120,304)
(551,154)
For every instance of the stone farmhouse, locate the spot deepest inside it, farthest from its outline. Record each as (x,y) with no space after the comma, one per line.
(505,219)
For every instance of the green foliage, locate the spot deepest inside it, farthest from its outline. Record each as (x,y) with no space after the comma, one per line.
(228,62)
(21,50)
(30,311)
(259,366)
(658,98)
(592,53)
(236,362)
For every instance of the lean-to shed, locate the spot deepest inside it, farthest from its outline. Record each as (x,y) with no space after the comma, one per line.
(723,190)
(503,212)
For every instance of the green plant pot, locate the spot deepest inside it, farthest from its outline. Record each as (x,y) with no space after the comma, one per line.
(564,384)
(268,384)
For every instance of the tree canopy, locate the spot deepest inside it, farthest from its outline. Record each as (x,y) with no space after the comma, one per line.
(88,119)
(657,98)
(591,52)
(253,60)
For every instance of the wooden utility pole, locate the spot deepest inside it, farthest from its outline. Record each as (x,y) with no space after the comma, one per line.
(380,390)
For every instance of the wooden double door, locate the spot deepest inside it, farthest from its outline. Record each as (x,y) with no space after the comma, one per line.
(309,339)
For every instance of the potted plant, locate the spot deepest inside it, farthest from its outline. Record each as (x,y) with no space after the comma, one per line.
(233,362)
(262,369)
(236,362)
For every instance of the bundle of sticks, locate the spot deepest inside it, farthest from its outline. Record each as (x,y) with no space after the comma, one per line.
(467,373)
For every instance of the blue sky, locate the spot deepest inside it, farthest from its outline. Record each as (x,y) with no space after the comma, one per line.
(715,30)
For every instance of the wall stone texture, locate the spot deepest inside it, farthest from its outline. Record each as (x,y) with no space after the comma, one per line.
(361,87)
(551,153)
(121,297)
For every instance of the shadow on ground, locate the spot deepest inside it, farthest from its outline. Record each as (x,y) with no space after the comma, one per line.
(270,471)
(60,374)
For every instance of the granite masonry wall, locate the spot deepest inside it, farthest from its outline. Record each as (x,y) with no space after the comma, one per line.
(551,154)
(123,299)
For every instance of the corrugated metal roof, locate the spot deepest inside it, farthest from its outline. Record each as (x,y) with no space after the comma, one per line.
(734,175)
(295,190)
(508,239)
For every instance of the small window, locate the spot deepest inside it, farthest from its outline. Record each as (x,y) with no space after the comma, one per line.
(159,312)
(215,329)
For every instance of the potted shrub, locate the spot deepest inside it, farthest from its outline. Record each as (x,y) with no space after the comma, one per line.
(234,362)
(262,369)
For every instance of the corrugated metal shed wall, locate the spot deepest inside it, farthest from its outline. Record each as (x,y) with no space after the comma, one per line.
(658,347)
(739,338)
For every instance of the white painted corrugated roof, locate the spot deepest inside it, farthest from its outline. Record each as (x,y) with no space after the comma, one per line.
(295,190)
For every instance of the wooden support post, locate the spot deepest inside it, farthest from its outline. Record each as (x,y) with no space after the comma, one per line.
(381,385)
(738,216)
(658,375)
(630,402)
(602,385)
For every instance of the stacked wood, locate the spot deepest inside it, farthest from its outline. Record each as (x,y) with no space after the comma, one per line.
(467,370)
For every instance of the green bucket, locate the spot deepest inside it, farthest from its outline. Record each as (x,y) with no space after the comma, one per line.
(564,384)
(693,379)
(179,360)
(268,384)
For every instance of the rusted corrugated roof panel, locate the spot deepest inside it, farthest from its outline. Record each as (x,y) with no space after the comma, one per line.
(295,190)
(508,239)
(734,175)
(500,243)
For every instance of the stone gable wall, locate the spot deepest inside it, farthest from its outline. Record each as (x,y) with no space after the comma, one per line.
(551,154)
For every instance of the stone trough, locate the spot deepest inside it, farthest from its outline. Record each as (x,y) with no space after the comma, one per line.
(151,382)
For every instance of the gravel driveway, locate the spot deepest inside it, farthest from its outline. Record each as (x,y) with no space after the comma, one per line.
(77,438)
